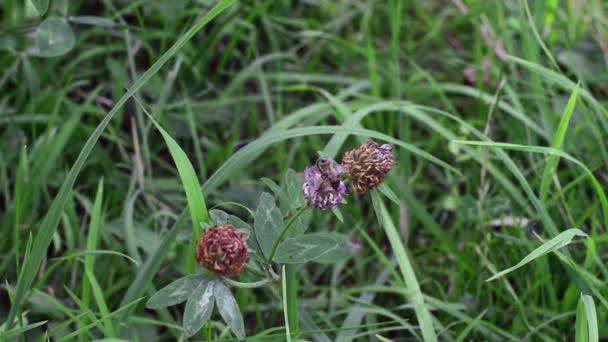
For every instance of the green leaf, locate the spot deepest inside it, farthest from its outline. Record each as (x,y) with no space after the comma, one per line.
(389,193)
(54,37)
(581,331)
(268,222)
(92,237)
(41,6)
(274,187)
(176,292)
(558,141)
(341,250)
(8,335)
(338,214)
(425,319)
(301,224)
(238,223)
(586,323)
(229,309)
(321,247)
(198,308)
(218,217)
(561,240)
(192,188)
(294,183)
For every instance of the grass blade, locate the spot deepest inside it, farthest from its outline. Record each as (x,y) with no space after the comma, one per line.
(561,240)
(89,259)
(51,220)
(192,188)
(591,318)
(558,141)
(422,312)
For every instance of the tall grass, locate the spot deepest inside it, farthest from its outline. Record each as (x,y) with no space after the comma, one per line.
(496,111)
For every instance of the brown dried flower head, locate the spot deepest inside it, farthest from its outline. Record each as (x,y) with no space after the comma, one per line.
(222,250)
(367,165)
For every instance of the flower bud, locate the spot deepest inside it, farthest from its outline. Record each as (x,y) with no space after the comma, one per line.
(367,165)
(222,250)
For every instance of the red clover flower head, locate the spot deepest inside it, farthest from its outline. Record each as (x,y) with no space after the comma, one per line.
(367,165)
(222,250)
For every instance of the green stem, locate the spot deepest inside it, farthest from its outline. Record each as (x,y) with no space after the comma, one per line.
(291,290)
(253,285)
(284,231)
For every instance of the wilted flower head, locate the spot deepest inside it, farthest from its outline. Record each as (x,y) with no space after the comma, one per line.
(323,187)
(367,165)
(222,250)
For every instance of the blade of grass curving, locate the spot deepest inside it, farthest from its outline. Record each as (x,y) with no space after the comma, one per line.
(423,314)
(192,188)
(591,317)
(130,236)
(561,240)
(96,252)
(92,236)
(51,220)
(558,141)
(237,160)
(472,325)
(581,330)
(561,81)
(489,99)
(70,336)
(537,36)
(17,332)
(101,304)
(551,151)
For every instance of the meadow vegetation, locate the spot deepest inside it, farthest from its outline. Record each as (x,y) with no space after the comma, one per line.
(123,124)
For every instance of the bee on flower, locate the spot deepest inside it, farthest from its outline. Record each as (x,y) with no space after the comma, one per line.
(323,186)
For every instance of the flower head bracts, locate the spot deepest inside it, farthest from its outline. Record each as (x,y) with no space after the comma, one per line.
(222,250)
(367,165)
(323,187)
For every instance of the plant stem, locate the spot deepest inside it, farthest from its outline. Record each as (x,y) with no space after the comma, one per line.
(291,291)
(284,231)
(253,285)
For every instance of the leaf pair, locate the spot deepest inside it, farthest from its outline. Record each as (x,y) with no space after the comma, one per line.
(202,293)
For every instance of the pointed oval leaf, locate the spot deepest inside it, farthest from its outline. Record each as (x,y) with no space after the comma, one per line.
(176,292)
(41,6)
(218,217)
(338,214)
(321,247)
(229,310)
(294,189)
(54,37)
(198,308)
(238,223)
(268,223)
(341,250)
(301,224)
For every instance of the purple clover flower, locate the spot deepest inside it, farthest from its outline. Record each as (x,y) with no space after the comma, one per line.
(320,191)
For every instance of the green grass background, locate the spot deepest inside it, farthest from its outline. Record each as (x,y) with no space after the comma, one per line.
(509,95)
